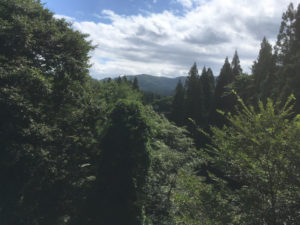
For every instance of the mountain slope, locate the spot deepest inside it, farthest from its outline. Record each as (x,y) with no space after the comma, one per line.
(163,86)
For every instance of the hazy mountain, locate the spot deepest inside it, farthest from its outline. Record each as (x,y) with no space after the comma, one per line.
(161,85)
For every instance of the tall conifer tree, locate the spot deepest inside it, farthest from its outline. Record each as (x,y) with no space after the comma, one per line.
(135,84)
(235,65)
(194,95)
(263,71)
(208,83)
(178,110)
(223,100)
(287,50)
(286,36)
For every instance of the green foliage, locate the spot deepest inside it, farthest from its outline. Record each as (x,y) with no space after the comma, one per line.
(235,65)
(135,83)
(194,96)
(208,83)
(178,105)
(258,160)
(286,36)
(287,51)
(78,151)
(46,115)
(263,71)
(223,99)
(123,166)
(172,149)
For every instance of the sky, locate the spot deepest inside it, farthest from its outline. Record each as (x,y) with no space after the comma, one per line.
(165,37)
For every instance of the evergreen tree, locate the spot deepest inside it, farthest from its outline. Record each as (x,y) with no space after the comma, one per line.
(296,44)
(287,56)
(194,95)
(245,87)
(135,84)
(286,36)
(208,83)
(123,167)
(124,79)
(235,65)
(224,100)
(178,110)
(263,71)
(119,80)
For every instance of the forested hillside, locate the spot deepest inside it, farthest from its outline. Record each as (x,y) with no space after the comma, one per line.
(163,86)
(78,151)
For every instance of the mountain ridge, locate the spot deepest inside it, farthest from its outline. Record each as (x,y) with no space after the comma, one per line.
(164,86)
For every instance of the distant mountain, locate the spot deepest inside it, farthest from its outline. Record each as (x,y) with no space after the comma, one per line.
(163,86)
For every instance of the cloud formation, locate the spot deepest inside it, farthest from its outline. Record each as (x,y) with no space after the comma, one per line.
(167,43)
(67,18)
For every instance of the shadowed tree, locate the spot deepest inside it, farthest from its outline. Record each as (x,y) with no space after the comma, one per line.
(194,95)
(224,100)
(178,110)
(208,83)
(123,166)
(263,71)
(135,84)
(235,65)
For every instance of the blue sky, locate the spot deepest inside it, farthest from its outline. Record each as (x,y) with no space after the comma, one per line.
(91,9)
(165,37)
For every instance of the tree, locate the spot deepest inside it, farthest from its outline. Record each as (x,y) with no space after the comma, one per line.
(194,95)
(224,99)
(124,79)
(245,87)
(208,83)
(258,155)
(171,149)
(235,65)
(263,71)
(286,36)
(178,110)
(46,114)
(123,167)
(135,83)
(287,55)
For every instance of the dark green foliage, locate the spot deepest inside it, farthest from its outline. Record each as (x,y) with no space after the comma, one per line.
(123,167)
(258,155)
(245,87)
(46,115)
(224,100)
(150,97)
(163,105)
(286,36)
(76,151)
(172,149)
(194,95)
(135,83)
(119,80)
(263,71)
(208,83)
(235,65)
(287,56)
(178,105)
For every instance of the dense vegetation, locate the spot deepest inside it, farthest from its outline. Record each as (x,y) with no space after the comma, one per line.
(77,151)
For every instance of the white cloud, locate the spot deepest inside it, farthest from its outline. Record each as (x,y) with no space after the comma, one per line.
(67,18)
(168,44)
(190,3)
(186,3)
